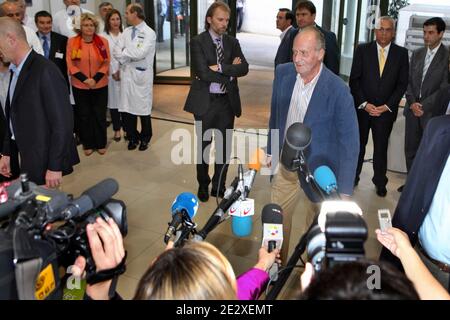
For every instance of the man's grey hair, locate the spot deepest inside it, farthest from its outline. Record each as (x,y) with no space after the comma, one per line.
(10,25)
(320,38)
(385,18)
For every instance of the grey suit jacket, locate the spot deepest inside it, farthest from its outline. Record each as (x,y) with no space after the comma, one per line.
(436,78)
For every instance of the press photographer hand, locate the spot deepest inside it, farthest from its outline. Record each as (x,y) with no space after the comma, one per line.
(106,243)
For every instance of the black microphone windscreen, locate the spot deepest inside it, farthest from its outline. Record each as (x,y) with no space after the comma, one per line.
(102,191)
(272,213)
(298,138)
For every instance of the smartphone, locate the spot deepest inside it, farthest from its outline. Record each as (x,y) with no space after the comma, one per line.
(384,217)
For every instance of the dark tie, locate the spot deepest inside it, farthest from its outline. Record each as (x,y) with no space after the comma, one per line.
(46,47)
(220,56)
(133,33)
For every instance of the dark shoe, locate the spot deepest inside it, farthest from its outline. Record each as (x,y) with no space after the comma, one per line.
(202,193)
(132,145)
(400,189)
(381,191)
(221,193)
(143,146)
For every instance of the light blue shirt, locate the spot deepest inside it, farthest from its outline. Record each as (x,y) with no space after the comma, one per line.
(434,234)
(12,86)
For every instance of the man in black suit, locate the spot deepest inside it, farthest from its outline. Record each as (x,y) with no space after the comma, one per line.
(54,44)
(423,208)
(38,112)
(285,18)
(217,62)
(305,15)
(442,102)
(378,80)
(428,74)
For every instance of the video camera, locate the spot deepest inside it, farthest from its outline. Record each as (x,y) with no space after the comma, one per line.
(42,230)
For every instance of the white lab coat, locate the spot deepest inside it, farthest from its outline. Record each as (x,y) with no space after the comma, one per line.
(33,40)
(136,69)
(29,22)
(62,23)
(113,85)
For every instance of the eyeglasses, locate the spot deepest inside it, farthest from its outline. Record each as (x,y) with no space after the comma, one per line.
(382,30)
(12,15)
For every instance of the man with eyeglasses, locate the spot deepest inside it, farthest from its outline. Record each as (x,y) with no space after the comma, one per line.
(307,91)
(378,80)
(12,10)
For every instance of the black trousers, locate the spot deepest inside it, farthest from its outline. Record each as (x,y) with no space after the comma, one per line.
(116,118)
(414,127)
(91,106)
(381,130)
(130,126)
(217,119)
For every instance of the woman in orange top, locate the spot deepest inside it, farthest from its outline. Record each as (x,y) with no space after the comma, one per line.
(88,60)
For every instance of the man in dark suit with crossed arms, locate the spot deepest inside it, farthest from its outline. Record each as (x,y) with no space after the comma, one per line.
(214,100)
(38,112)
(378,80)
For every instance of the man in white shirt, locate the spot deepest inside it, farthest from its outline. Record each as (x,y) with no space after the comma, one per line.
(26,20)
(62,22)
(103,9)
(12,10)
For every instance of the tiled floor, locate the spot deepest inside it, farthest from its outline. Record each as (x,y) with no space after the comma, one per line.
(149,182)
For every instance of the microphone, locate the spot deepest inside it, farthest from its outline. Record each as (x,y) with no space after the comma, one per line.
(241,214)
(184,207)
(298,138)
(272,220)
(326,180)
(92,198)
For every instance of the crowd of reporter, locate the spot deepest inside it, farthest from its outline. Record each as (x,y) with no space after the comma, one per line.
(199,271)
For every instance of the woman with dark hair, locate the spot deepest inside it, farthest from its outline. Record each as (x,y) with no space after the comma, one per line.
(88,65)
(113,32)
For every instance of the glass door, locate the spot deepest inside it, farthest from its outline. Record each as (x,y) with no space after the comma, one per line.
(172,27)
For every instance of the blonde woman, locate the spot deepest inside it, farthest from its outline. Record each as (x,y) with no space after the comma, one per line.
(88,60)
(197,271)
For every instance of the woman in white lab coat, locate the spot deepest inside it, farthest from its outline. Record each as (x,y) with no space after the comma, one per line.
(113,32)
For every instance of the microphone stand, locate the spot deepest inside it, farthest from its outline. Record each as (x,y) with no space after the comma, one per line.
(302,170)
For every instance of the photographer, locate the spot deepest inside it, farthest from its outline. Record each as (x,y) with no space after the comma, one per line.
(398,243)
(196,271)
(350,281)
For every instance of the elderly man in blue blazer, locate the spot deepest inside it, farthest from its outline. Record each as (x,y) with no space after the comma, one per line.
(307,91)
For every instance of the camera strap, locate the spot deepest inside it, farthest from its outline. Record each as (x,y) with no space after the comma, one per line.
(108,274)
